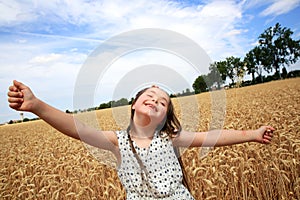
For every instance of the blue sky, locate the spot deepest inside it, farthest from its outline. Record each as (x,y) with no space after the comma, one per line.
(45,43)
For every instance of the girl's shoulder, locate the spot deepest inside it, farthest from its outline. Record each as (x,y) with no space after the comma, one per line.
(121,132)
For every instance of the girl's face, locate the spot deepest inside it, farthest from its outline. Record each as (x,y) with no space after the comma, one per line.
(153,103)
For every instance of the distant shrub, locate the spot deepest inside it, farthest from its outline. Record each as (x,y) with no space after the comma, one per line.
(26,120)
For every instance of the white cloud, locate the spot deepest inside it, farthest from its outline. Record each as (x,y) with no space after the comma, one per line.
(45,59)
(279,7)
(235,32)
(208,24)
(21,41)
(15,12)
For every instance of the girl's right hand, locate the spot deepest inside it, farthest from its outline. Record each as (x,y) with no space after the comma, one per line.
(20,97)
(264,134)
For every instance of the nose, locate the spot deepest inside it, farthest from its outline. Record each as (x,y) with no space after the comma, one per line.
(154,99)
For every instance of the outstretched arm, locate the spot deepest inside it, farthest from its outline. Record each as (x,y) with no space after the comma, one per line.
(21,98)
(218,138)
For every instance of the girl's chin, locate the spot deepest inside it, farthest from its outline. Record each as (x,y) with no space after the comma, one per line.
(148,119)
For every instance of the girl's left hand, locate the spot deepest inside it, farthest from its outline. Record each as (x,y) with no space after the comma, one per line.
(265,134)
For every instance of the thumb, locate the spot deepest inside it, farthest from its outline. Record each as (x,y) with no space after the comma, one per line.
(19,85)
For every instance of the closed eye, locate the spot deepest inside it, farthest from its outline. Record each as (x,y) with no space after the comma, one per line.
(163,104)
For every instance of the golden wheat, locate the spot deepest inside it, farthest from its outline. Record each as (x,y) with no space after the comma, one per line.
(37,162)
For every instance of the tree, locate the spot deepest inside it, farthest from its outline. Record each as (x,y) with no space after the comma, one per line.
(105,105)
(249,60)
(284,73)
(131,101)
(25,120)
(186,92)
(214,76)
(253,61)
(199,85)
(281,49)
(221,65)
(120,102)
(234,68)
(67,111)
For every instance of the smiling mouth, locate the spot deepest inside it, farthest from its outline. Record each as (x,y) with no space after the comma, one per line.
(151,106)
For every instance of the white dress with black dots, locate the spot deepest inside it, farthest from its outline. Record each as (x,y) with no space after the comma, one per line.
(164,179)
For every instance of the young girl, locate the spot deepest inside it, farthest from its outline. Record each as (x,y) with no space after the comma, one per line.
(148,166)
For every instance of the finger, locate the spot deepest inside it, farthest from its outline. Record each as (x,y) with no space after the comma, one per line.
(270,128)
(15,100)
(15,94)
(267,137)
(19,85)
(269,134)
(15,106)
(13,88)
(266,140)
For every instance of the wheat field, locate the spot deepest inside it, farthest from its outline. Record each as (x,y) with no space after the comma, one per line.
(37,162)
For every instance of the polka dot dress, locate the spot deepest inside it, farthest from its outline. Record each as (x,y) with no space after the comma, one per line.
(164,177)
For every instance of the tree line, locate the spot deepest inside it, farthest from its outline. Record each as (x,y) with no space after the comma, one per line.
(276,50)
(124,102)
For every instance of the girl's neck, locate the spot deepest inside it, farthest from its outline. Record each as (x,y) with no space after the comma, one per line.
(142,132)
(143,126)
(141,120)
